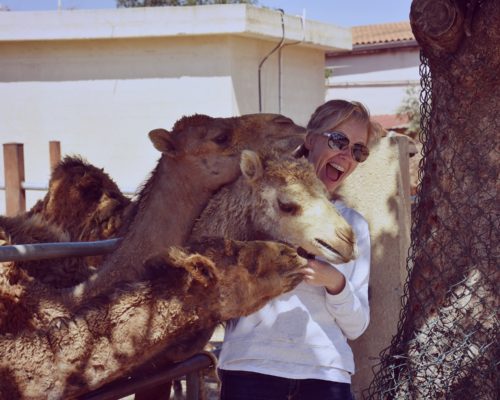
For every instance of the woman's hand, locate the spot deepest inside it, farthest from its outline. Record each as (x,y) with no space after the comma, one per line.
(319,273)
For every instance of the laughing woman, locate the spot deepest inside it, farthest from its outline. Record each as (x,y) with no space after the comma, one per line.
(296,346)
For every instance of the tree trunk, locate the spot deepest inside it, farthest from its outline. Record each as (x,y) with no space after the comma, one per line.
(447,341)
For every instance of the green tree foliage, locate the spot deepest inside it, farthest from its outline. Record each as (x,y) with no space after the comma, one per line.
(157,3)
(410,108)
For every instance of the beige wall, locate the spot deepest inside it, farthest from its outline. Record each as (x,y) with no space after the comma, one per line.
(379,78)
(379,190)
(101,97)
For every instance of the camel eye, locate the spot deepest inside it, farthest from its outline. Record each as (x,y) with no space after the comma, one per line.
(222,138)
(288,208)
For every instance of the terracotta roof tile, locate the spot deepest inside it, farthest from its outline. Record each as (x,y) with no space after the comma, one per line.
(382,33)
(390,121)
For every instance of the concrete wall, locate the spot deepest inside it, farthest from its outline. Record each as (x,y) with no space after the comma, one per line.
(379,190)
(99,80)
(378,79)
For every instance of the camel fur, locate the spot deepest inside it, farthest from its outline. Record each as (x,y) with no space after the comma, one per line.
(118,330)
(200,155)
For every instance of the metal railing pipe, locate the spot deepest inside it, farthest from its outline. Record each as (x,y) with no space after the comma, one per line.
(121,388)
(38,251)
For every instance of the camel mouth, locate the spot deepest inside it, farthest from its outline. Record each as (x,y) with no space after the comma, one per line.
(330,249)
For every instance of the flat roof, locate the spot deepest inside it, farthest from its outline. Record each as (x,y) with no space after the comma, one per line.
(142,22)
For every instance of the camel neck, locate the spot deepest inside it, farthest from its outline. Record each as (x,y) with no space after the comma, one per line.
(214,220)
(166,210)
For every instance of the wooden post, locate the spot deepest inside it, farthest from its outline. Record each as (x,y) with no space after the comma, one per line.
(15,196)
(54,153)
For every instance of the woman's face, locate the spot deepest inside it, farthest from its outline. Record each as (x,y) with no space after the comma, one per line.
(334,166)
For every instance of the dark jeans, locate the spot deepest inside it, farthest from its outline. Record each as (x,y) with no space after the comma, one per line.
(241,385)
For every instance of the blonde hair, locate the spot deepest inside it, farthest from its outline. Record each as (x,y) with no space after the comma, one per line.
(331,114)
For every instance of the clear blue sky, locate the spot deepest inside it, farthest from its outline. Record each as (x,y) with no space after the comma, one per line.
(338,12)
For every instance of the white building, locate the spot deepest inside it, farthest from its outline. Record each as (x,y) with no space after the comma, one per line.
(382,65)
(99,80)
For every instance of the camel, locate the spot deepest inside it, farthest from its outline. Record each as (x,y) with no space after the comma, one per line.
(278,198)
(33,229)
(198,156)
(181,291)
(85,203)
(304,191)
(197,162)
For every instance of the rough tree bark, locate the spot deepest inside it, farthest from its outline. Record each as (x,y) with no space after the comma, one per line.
(447,341)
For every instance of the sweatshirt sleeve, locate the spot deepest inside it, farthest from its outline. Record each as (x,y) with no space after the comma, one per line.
(350,307)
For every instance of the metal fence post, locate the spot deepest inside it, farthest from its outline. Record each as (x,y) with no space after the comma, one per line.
(193,385)
(15,195)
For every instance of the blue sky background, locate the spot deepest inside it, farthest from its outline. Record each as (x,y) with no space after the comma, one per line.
(338,12)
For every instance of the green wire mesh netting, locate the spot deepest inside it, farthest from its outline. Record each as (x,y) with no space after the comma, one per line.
(446,345)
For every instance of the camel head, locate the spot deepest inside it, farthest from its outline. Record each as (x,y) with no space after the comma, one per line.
(210,148)
(275,129)
(290,204)
(242,276)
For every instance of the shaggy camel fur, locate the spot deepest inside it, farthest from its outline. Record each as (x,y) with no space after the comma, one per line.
(118,330)
(200,155)
(33,229)
(84,202)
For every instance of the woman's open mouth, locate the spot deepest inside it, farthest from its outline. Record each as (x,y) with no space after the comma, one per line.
(334,171)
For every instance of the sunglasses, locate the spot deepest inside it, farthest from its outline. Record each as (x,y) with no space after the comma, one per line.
(339,141)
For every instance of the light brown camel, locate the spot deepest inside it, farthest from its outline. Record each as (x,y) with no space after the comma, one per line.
(275,198)
(278,198)
(181,291)
(302,179)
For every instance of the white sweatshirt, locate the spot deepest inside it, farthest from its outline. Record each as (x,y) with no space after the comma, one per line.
(303,334)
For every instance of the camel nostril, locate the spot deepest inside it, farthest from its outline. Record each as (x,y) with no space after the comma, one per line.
(324,244)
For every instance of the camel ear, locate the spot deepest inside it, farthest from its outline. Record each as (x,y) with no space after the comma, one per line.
(201,269)
(251,165)
(162,141)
